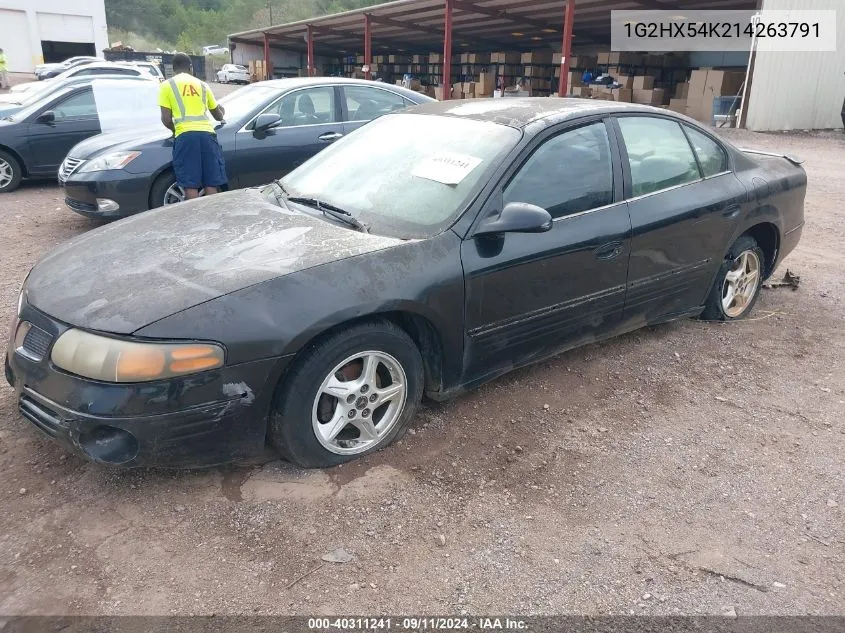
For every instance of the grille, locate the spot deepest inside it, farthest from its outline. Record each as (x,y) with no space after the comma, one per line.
(36,343)
(78,205)
(68,167)
(45,419)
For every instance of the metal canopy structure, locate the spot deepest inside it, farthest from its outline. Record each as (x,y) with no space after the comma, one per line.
(423,26)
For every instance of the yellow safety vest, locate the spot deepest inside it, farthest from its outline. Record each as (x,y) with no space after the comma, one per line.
(3,62)
(189,99)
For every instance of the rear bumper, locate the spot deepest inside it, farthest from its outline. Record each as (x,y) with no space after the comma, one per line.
(130,191)
(194,421)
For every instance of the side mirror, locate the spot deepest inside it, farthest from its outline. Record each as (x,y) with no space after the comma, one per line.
(46,117)
(517,217)
(267,121)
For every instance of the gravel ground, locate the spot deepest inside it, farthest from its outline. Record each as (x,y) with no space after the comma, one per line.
(689,468)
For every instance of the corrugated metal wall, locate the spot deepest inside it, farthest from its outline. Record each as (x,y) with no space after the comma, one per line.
(797,91)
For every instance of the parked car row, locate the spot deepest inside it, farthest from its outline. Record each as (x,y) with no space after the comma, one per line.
(427,252)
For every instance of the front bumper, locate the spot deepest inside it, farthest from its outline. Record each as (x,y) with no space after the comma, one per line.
(130,191)
(201,420)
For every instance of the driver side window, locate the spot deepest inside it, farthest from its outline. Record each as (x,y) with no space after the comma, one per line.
(569,173)
(312,106)
(79,106)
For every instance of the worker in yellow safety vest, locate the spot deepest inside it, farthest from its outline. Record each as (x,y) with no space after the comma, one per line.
(185,103)
(4,71)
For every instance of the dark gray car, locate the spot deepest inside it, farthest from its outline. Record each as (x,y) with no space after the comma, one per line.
(271,128)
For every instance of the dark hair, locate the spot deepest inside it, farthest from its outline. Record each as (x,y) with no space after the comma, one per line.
(181,62)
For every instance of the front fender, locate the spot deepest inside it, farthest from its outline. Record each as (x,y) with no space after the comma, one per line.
(280,316)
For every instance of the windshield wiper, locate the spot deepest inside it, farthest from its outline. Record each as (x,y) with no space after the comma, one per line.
(330,210)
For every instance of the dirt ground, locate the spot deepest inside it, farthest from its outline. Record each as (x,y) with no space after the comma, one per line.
(689,468)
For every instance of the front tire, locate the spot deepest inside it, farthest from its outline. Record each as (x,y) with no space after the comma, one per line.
(10,173)
(738,282)
(166,190)
(349,395)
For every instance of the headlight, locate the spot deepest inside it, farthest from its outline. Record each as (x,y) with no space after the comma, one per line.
(116,360)
(116,160)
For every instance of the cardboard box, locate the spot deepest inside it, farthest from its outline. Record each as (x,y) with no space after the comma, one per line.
(576,62)
(624,94)
(602,96)
(678,105)
(618,58)
(440,92)
(479,58)
(485,85)
(649,97)
(538,58)
(574,79)
(505,58)
(613,71)
(682,90)
(419,59)
(643,82)
(469,88)
(435,58)
(581,91)
(457,94)
(398,59)
(626,81)
(536,71)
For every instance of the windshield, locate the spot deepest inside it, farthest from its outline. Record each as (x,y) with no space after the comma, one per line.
(243,102)
(404,175)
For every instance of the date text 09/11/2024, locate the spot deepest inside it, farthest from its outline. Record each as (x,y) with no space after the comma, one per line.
(416,624)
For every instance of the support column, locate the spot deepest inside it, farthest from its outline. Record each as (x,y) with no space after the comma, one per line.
(447,52)
(266,56)
(310,36)
(368,47)
(568,19)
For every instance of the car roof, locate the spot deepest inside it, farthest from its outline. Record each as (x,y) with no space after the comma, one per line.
(522,111)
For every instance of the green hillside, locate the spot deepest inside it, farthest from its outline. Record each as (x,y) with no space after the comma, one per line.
(188,25)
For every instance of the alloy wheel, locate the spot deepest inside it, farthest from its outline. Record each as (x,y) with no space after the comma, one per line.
(741,284)
(175,193)
(7,173)
(359,403)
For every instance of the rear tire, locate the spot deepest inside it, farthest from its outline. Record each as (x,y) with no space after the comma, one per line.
(11,173)
(738,282)
(348,395)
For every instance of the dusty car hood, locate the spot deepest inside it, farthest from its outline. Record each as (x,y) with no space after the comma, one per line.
(126,275)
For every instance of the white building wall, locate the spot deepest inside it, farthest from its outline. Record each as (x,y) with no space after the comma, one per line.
(803,90)
(24,23)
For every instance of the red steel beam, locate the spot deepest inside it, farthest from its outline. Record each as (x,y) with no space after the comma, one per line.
(310,36)
(368,47)
(568,19)
(447,51)
(266,56)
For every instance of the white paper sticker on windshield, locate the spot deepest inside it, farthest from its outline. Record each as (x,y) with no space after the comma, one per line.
(447,168)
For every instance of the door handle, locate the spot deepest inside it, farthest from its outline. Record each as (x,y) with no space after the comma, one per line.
(732,211)
(330,136)
(609,251)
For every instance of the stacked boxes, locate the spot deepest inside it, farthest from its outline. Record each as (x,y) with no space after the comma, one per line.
(704,85)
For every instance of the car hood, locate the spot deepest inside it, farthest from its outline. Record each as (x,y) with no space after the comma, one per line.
(125,139)
(126,275)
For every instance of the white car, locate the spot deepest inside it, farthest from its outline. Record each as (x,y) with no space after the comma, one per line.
(150,67)
(233,73)
(214,49)
(93,69)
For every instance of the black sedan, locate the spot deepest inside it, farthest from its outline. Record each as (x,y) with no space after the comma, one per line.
(429,252)
(271,128)
(35,139)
